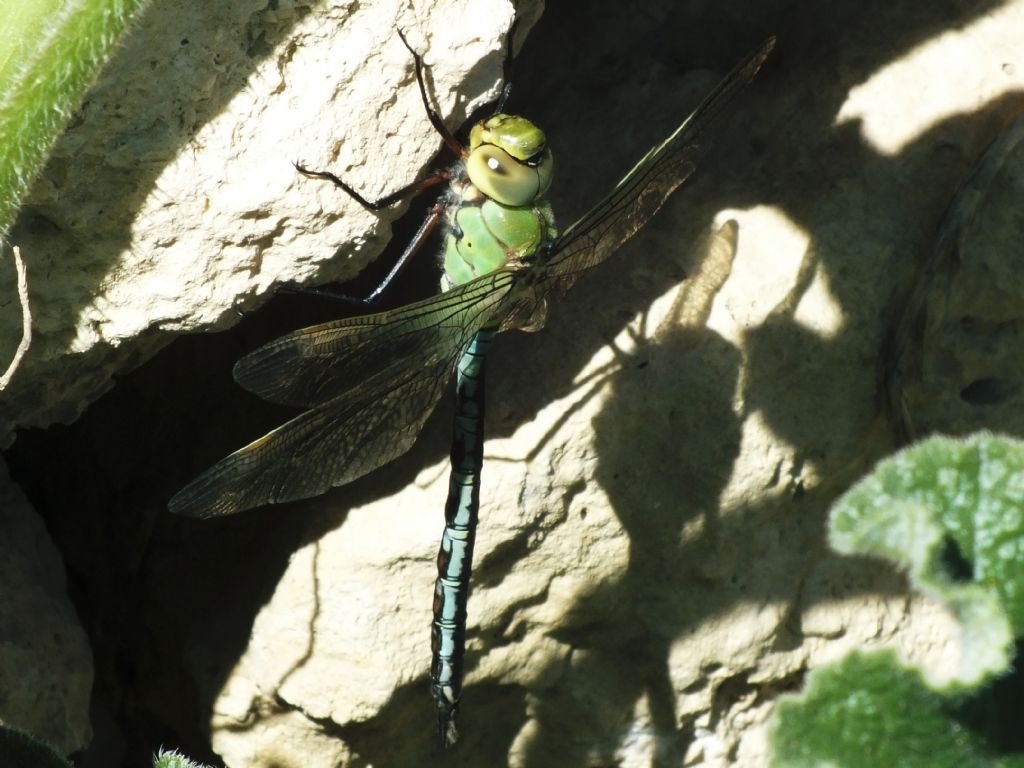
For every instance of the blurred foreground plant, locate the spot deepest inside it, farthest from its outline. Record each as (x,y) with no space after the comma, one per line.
(50,53)
(950,513)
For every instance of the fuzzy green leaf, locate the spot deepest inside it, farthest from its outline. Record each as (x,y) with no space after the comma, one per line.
(173,759)
(50,52)
(950,512)
(19,750)
(870,711)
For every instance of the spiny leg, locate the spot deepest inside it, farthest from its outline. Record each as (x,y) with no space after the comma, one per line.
(438,177)
(432,114)
(414,246)
(417,186)
(384,202)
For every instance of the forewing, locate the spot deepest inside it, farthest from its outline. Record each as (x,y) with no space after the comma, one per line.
(636,198)
(319,363)
(330,445)
(365,424)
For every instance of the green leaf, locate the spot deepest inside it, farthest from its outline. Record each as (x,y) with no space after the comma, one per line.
(950,512)
(19,750)
(50,52)
(868,710)
(173,759)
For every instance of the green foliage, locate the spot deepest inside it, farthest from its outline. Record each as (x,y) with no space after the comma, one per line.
(19,750)
(173,760)
(951,514)
(868,710)
(50,52)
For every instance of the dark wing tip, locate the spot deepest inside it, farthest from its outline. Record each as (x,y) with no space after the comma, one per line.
(214,493)
(183,505)
(763,51)
(190,502)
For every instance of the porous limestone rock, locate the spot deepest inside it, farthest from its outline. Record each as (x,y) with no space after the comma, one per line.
(171,204)
(46,668)
(651,568)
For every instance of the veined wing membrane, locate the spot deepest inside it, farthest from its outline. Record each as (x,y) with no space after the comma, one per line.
(363,426)
(327,446)
(316,364)
(599,233)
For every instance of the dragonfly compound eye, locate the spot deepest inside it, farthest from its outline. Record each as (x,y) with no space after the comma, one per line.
(509,160)
(506,180)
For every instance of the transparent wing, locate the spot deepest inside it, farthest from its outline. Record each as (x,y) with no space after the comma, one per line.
(362,424)
(316,364)
(641,193)
(373,380)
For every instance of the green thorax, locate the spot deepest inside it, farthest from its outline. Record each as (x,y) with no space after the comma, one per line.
(498,214)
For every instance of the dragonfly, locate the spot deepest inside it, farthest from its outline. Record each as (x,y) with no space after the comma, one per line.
(368,383)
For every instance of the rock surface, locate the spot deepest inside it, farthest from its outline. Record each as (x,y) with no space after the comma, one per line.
(955,365)
(45,663)
(651,568)
(171,203)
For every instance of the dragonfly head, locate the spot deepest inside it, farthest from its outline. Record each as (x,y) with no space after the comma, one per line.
(509,160)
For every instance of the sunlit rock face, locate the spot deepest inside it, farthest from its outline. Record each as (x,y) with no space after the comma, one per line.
(651,568)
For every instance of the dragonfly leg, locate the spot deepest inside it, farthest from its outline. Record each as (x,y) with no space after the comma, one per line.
(432,114)
(414,246)
(408,190)
(437,177)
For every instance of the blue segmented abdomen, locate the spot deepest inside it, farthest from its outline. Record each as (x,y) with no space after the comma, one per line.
(455,557)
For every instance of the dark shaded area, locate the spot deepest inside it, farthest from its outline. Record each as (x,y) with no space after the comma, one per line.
(987,391)
(956,566)
(155,592)
(994,713)
(19,750)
